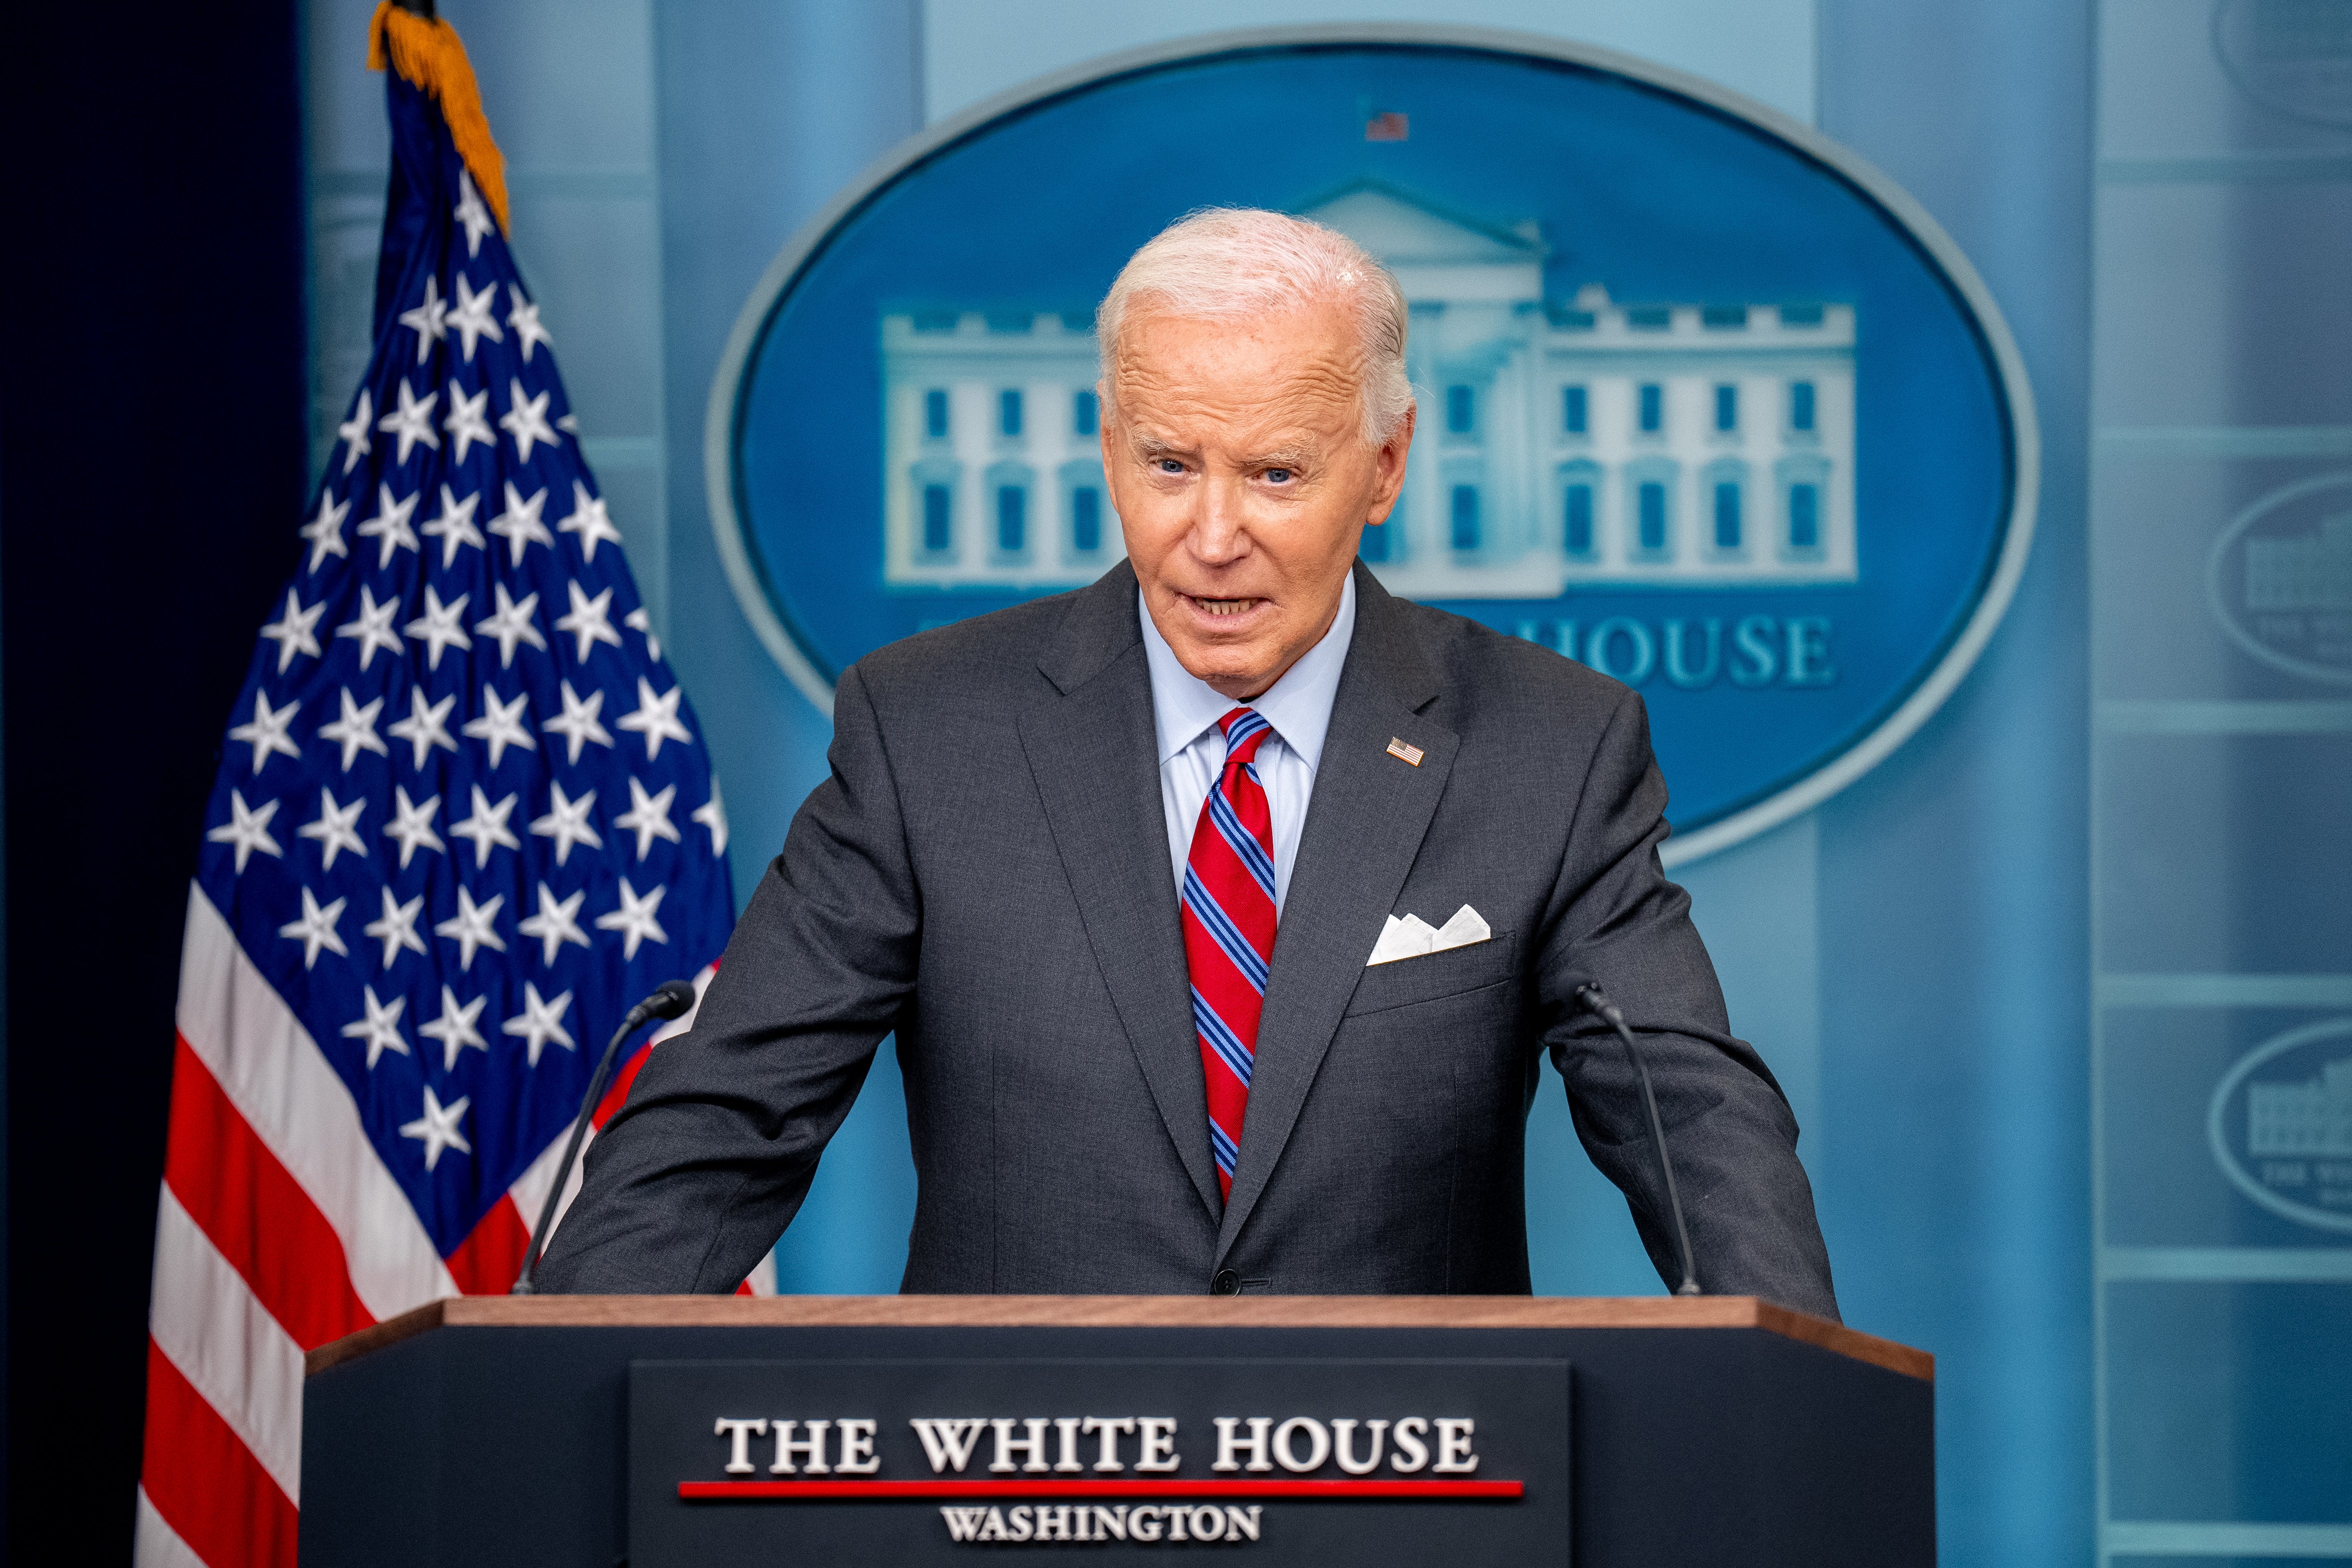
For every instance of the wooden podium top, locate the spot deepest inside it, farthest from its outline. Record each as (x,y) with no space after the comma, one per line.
(1131,1311)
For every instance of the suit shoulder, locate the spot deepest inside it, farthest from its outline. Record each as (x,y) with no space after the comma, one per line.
(966,660)
(1505,676)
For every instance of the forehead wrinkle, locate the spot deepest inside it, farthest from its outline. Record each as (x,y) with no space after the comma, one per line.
(1279,417)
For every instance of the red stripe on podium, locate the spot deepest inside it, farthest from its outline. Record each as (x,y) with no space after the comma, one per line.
(887,1491)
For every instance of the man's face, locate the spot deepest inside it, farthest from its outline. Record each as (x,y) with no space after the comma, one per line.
(1236,458)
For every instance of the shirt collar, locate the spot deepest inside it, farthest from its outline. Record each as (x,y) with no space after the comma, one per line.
(1298,705)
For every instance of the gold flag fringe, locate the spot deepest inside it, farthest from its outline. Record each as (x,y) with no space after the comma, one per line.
(429,57)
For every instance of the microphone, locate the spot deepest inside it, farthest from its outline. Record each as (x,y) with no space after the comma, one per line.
(675,998)
(1591,997)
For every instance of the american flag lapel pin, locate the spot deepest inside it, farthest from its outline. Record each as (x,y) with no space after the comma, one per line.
(1410,754)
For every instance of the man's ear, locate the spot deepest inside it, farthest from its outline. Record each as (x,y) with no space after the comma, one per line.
(1388,464)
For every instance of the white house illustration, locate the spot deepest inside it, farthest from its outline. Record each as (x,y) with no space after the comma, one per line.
(2309,571)
(1699,444)
(2313,1118)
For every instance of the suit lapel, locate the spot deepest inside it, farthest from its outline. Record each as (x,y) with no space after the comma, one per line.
(1364,828)
(1094,752)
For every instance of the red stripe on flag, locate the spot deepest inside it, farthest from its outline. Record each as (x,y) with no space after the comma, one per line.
(254,1212)
(618,1094)
(212,1493)
(487,1262)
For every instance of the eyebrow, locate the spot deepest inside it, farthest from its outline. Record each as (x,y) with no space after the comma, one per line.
(1151,446)
(1281,458)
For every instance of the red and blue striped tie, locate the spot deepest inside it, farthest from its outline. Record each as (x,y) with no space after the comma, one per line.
(1229,920)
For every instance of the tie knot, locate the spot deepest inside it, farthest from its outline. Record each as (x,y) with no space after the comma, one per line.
(1246,731)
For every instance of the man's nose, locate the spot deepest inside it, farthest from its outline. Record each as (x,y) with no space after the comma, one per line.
(1220,535)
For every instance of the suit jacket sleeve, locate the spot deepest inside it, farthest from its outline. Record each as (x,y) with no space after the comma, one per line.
(1614,918)
(699,1173)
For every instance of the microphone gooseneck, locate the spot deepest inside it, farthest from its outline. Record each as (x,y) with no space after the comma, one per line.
(673,998)
(1595,1000)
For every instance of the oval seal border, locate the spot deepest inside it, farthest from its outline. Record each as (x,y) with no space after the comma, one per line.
(2217,561)
(1872,746)
(2277,1045)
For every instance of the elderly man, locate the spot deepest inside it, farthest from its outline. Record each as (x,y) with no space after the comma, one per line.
(1124,870)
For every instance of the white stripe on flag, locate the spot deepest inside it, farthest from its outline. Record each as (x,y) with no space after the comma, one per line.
(159,1545)
(206,1321)
(279,1080)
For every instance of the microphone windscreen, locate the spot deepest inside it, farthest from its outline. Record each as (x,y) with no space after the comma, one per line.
(673,999)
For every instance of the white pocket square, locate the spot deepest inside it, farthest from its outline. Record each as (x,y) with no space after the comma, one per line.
(1413,936)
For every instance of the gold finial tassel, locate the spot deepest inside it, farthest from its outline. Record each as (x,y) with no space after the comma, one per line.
(429,57)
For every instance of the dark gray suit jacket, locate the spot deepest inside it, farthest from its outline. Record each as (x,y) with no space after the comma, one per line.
(986,872)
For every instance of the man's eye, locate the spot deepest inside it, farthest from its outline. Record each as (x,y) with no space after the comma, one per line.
(1278,475)
(1171,465)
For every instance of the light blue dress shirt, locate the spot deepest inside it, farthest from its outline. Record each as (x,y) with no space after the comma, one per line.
(1186,709)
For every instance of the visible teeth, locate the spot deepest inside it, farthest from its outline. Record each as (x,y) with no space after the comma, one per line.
(1225,606)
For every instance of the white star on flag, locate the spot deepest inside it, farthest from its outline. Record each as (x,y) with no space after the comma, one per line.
(333,827)
(455,526)
(554,924)
(511,624)
(411,421)
(635,919)
(488,827)
(472,318)
(471,215)
(526,420)
(293,634)
(578,726)
(519,526)
(474,925)
(397,928)
(249,829)
(524,320)
(655,718)
(429,321)
(391,523)
(540,1021)
(267,733)
(355,730)
(648,815)
(413,826)
(469,420)
(374,627)
(325,531)
(354,432)
(712,814)
(455,1027)
(424,728)
(639,621)
(437,1128)
(567,823)
(591,521)
(589,621)
(315,929)
(438,627)
(381,1028)
(500,725)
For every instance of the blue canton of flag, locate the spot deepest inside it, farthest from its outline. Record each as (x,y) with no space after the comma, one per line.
(465,817)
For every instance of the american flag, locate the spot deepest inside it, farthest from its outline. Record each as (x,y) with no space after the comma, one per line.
(464,819)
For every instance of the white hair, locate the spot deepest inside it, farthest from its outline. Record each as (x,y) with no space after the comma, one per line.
(1220,263)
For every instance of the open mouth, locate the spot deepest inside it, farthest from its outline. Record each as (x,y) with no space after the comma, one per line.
(1224,607)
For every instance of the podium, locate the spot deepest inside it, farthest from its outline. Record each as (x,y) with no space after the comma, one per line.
(658,1431)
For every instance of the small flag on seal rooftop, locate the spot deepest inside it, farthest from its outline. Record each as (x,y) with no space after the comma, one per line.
(464,819)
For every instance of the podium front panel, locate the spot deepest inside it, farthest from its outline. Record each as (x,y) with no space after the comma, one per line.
(527,1439)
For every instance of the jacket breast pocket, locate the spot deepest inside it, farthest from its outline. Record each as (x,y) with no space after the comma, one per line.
(1433,976)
